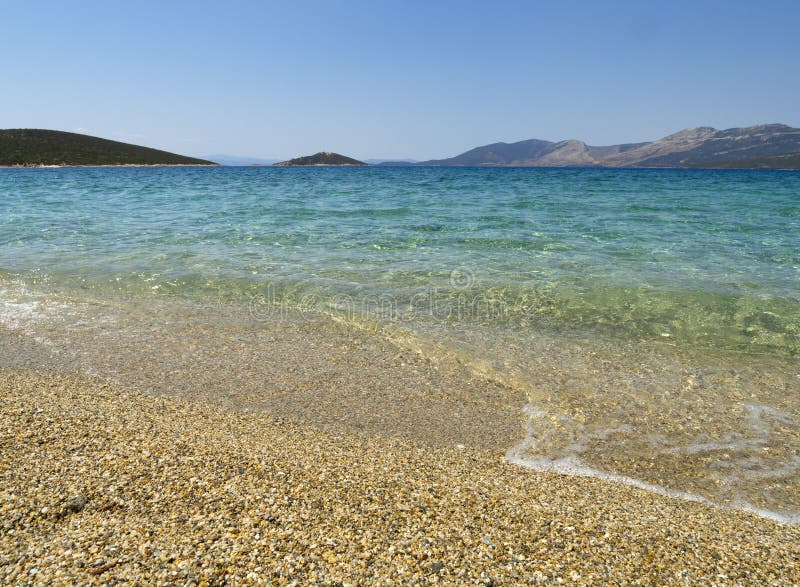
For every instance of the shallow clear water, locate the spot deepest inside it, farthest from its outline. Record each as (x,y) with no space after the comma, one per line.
(628,304)
(700,257)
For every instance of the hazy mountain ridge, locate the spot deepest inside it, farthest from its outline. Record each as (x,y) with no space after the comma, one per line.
(383,161)
(239,161)
(762,146)
(37,147)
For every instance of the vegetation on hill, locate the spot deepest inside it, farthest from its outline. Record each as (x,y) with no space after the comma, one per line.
(34,147)
(324,158)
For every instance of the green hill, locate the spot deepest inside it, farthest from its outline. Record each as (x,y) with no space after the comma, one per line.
(33,147)
(324,158)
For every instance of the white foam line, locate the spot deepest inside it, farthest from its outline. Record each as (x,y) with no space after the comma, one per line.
(574,467)
(15,315)
(20,309)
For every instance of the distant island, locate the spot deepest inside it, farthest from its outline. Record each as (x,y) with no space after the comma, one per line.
(29,147)
(768,146)
(321,159)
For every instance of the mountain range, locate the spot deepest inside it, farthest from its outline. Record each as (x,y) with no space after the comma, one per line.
(768,146)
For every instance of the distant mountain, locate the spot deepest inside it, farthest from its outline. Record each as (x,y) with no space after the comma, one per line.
(320,159)
(391,161)
(768,146)
(36,147)
(237,161)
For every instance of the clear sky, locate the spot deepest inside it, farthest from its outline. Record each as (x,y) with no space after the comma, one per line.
(394,78)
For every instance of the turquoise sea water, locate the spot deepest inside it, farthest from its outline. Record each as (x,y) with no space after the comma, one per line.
(709,258)
(652,317)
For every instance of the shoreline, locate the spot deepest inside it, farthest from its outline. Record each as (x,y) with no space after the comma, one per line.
(111,166)
(409,385)
(371,165)
(106,483)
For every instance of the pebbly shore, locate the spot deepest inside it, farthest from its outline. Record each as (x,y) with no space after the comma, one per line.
(105,485)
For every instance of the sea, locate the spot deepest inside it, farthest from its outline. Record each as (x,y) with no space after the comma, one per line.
(650,318)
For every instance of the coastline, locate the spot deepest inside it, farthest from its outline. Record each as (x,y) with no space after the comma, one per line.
(316,165)
(372,165)
(103,483)
(110,166)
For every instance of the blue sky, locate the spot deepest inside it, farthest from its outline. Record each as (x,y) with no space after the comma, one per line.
(394,79)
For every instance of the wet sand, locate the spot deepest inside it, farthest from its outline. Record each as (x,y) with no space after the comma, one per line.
(717,427)
(312,371)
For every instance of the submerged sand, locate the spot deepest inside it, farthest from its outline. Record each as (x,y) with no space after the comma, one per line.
(716,427)
(103,484)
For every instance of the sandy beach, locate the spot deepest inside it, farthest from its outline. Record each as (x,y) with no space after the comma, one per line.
(105,485)
(187,400)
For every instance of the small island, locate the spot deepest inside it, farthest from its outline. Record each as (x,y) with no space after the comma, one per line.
(33,147)
(325,158)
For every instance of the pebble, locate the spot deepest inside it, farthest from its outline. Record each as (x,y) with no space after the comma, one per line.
(246,499)
(75,503)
